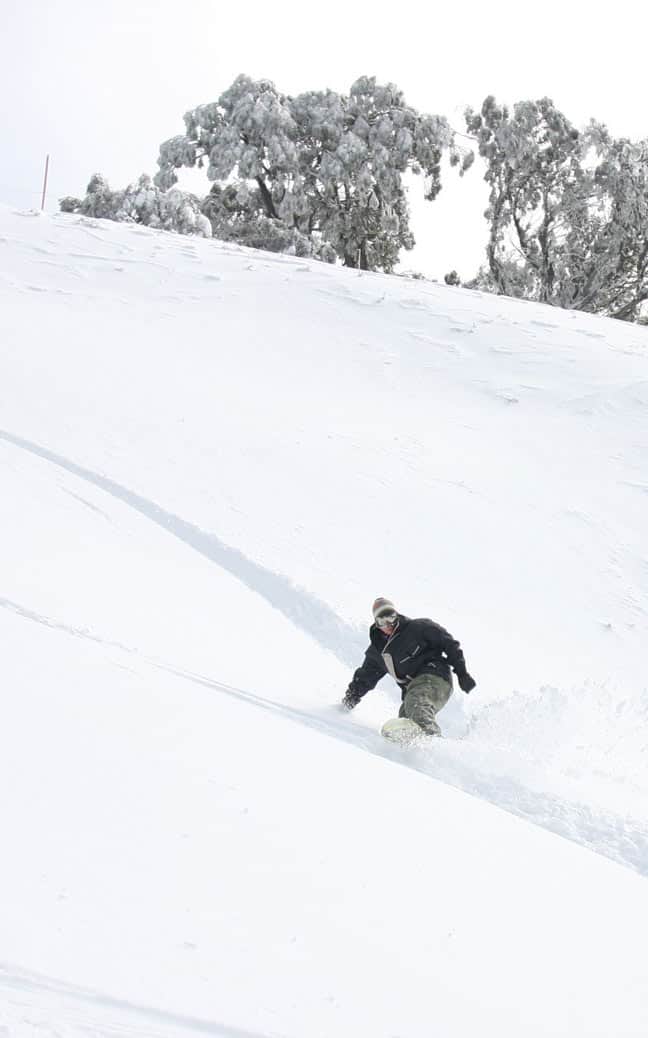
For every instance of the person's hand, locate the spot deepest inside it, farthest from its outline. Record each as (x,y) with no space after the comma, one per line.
(349,701)
(466,683)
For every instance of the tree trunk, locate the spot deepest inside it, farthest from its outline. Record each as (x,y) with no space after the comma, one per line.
(497,202)
(358,260)
(547,266)
(267,199)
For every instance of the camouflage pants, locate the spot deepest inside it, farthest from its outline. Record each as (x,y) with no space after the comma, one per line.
(424,697)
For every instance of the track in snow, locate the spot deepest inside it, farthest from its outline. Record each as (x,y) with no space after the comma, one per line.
(30,1001)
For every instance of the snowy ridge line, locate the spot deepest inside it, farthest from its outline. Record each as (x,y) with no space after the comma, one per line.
(301,607)
(14,979)
(452,762)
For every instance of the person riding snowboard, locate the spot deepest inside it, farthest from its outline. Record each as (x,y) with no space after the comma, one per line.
(418,654)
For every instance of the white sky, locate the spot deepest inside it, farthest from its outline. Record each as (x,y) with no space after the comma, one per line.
(100,85)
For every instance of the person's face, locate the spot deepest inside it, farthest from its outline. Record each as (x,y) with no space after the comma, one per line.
(386,621)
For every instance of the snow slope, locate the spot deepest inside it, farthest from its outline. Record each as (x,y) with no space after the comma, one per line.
(211,460)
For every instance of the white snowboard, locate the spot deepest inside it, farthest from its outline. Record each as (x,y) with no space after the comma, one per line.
(402,731)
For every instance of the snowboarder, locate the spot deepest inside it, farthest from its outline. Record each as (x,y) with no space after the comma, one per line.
(418,654)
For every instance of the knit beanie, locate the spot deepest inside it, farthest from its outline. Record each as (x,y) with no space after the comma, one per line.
(382,605)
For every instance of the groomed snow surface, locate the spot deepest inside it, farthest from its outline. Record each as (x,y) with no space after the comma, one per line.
(211,461)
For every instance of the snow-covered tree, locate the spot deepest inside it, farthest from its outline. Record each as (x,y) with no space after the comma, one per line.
(321,164)
(568,210)
(99,202)
(144,203)
(172,210)
(611,240)
(353,167)
(533,161)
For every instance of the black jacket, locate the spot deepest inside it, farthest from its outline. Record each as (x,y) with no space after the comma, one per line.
(416,647)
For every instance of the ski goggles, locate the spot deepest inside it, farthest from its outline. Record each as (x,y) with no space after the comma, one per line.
(387,618)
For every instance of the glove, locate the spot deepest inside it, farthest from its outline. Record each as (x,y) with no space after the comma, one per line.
(350,700)
(466,683)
